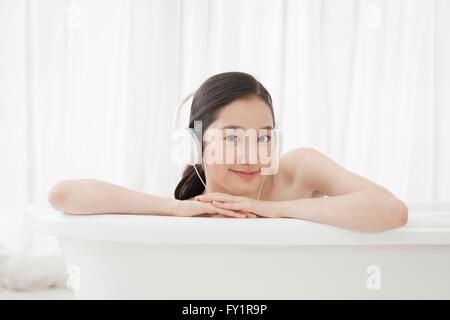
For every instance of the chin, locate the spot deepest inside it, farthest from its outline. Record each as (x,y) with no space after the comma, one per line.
(240,186)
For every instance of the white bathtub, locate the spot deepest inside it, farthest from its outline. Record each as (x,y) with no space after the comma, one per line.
(120,256)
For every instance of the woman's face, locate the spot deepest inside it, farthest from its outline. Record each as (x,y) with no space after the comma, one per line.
(235,142)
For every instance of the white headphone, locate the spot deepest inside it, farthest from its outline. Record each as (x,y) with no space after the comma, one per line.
(196,145)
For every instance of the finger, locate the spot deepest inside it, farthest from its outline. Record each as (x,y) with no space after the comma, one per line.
(207,195)
(211,215)
(230,213)
(218,197)
(201,215)
(209,210)
(238,205)
(218,215)
(227,205)
(250,215)
(203,200)
(235,206)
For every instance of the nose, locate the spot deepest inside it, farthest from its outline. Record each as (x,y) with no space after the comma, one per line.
(250,153)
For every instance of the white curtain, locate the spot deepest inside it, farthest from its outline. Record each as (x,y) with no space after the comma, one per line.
(88,89)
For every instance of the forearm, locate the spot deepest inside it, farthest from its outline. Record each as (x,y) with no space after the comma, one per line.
(369,210)
(90,196)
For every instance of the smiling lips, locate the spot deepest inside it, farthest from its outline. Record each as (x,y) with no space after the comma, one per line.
(246,174)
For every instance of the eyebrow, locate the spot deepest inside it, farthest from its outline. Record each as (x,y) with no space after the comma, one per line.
(239,127)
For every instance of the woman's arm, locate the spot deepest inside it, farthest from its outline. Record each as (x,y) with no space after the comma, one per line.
(368,210)
(90,196)
(354,202)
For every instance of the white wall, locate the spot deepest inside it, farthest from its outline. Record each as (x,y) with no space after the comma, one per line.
(88,88)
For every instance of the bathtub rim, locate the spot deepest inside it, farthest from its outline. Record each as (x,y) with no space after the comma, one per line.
(423,227)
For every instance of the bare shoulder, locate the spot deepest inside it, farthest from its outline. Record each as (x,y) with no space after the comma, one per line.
(311,169)
(293,161)
(292,171)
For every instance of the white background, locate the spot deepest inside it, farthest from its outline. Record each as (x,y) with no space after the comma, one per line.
(88,89)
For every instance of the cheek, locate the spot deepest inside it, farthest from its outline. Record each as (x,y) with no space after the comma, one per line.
(265,155)
(219,153)
(223,154)
(221,172)
(229,153)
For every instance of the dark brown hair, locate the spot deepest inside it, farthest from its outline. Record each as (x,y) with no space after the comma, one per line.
(215,93)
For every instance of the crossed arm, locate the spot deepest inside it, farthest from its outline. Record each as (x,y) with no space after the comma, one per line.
(368,210)
(354,202)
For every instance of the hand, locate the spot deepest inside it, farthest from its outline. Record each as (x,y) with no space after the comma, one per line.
(251,207)
(188,208)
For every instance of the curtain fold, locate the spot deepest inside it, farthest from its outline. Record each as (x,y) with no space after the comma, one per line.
(88,89)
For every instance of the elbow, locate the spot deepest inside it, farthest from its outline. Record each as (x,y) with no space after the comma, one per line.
(57,195)
(398,212)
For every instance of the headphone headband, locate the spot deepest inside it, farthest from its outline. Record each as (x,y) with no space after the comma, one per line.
(176,118)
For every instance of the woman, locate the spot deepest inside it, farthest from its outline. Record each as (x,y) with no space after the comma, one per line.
(234,100)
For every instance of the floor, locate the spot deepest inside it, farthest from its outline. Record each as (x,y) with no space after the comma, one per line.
(48,294)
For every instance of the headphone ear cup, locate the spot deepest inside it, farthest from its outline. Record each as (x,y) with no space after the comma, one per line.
(280,141)
(195,148)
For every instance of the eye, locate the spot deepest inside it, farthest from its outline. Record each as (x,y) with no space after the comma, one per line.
(266,138)
(231,138)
